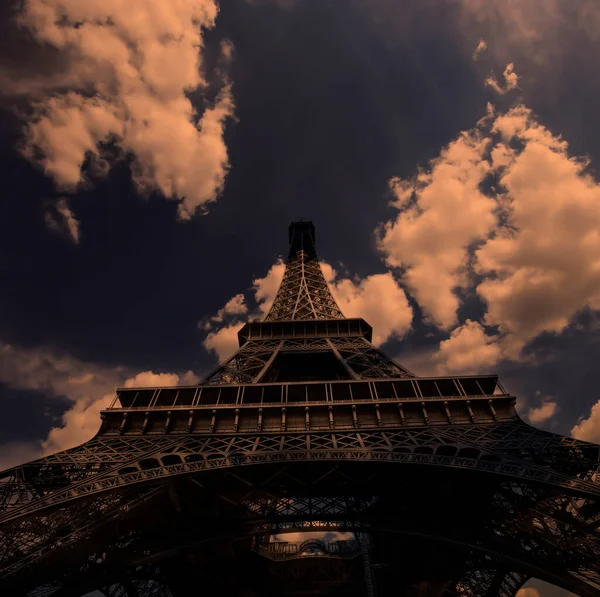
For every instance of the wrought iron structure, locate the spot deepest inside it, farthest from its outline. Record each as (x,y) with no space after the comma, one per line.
(308,427)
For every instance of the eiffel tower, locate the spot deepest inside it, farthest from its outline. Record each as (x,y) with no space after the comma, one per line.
(395,484)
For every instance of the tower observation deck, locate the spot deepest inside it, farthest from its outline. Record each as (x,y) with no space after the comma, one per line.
(307,463)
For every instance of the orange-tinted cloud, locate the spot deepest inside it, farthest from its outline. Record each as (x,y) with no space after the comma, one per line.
(528,245)
(481,47)
(542,413)
(468,350)
(60,219)
(543,265)
(131,66)
(378,298)
(588,429)
(441,212)
(511,80)
(89,386)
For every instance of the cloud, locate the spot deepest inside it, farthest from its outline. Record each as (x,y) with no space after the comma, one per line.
(536,29)
(504,214)
(60,219)
(266,288)
(588,429)
(543,265)
(542,413)
(481,47)
(378,298)
(131,67)
(511,80)
(89,386)
(53,373)
(223,327)
(468,350)
(298,537)
(233,307)
(81,422)
(223,341)
(528,592)
(442,211)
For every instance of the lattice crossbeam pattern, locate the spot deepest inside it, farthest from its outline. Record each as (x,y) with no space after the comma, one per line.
(307,427)
(304,320)
(303,293)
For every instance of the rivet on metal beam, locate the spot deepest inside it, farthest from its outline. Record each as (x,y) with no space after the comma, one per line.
(470,411)
(401,413)
(448,413)
(123,422)
(378,413)
(146,419)
(425,415)
(494,413)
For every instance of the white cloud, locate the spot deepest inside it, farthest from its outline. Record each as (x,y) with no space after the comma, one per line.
(537,30)
(588,429)
(543,265)
(223,327)
(468,350)
(131,65)
(528,592)
(89,386)
(511,80)
(442,211)
(223,341)
(542,413)
(232,308)
(379,299)
(528,246)
(326,536)
(266,288)
(48,371)
(60,219)
(481,47)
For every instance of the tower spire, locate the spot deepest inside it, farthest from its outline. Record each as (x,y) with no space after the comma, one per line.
(305,336)
(303,293)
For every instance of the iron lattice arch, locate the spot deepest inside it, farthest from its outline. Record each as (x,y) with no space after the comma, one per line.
(438,486)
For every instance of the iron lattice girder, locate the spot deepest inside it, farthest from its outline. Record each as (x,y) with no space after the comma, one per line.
(512,449)
(254,501)
(305,328)
(303,293)
(236,457)
(357,355)
(304,318)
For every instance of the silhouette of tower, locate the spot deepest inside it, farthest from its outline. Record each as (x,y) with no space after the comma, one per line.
(397,484)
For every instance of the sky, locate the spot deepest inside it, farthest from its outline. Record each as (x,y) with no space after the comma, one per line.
(152,155)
